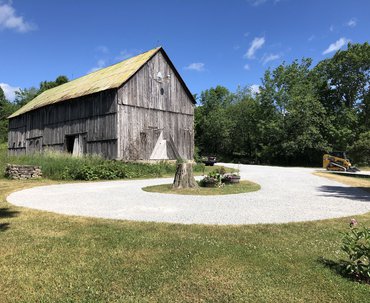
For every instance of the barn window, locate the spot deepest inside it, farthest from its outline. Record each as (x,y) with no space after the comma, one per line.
(13,144)
(19,143)
(162,91)
(37,142)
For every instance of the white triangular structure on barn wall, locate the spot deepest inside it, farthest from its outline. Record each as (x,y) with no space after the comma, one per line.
(164,149)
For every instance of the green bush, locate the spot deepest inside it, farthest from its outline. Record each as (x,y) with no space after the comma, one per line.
(356,245)
(361,149)
(62,166)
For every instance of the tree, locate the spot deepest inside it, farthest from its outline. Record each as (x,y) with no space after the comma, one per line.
(212,123)
(23,96)
(291,119)
(360,150)
(6,108)
(343,88)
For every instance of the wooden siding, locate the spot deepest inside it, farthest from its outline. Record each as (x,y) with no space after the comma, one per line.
(47,127)
(148,106)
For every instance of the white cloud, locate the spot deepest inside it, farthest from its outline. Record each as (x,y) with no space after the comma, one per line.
(199,67)
(268,58)
(256,2)
(331,28)
(256,44)
(9,91)
(247,67)
(125,54)
(99,65)
(102,49)
(259,2)
(246,34)
(311,38)
(10,20)
(352,22)
(255,88)
(336,45)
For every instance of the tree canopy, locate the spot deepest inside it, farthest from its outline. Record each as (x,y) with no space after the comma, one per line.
(300,112)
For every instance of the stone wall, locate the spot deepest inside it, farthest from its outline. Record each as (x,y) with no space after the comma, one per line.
(20,172)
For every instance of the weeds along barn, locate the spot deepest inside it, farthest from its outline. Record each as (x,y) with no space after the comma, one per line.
(138,109)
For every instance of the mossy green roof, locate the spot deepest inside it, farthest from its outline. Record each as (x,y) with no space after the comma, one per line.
(107,78)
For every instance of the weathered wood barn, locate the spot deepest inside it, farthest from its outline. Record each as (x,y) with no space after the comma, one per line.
(138,109)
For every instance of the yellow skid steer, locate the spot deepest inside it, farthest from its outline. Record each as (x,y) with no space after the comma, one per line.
(338,161)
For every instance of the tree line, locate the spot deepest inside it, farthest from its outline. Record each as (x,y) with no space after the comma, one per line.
(300,112)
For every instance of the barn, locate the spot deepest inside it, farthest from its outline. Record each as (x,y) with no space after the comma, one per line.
(137,109)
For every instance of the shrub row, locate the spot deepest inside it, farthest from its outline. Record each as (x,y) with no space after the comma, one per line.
(59,166)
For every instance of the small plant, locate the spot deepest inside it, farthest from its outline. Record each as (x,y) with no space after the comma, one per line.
(213,179)
(218,178)
(356,245)
(231,178)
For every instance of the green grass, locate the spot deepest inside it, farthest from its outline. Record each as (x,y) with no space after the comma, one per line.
(47,257)
(58,166)
(227,189)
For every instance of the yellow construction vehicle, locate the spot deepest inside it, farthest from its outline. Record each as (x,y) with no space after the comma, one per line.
(338,161)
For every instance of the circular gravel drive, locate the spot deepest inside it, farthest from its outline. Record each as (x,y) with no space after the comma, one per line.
(287,195)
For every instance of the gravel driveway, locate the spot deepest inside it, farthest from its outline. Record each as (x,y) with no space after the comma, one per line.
(287,195)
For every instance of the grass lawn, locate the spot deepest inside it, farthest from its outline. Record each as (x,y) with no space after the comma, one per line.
(47,257)
(227,189)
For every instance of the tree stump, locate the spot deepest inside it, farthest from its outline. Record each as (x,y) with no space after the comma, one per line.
(184,177)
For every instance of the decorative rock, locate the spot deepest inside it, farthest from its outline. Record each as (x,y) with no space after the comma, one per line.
(21,172)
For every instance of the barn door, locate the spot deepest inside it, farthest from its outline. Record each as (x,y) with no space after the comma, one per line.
(75,144)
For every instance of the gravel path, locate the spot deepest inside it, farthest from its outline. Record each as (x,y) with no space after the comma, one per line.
(287,195)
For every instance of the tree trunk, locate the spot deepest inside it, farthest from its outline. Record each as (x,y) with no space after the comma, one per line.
(184,177)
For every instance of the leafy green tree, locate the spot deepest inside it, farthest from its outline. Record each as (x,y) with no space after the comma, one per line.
(342,84)
(45,85)
(6,108)
(360,150)
(23,96)
(291,118)
(243,113)
(212,123)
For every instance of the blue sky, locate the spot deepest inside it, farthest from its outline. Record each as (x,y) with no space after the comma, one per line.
(229,43)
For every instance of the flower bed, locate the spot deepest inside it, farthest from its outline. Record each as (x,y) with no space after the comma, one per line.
(219,178)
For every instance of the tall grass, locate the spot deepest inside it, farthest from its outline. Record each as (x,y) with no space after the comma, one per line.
(62,166)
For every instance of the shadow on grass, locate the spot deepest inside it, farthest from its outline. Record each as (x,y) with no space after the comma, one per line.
(333,265)
(6,213)
(4,226)
(338,267)
(353,193)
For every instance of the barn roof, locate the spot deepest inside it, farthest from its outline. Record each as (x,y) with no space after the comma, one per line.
(107,78)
